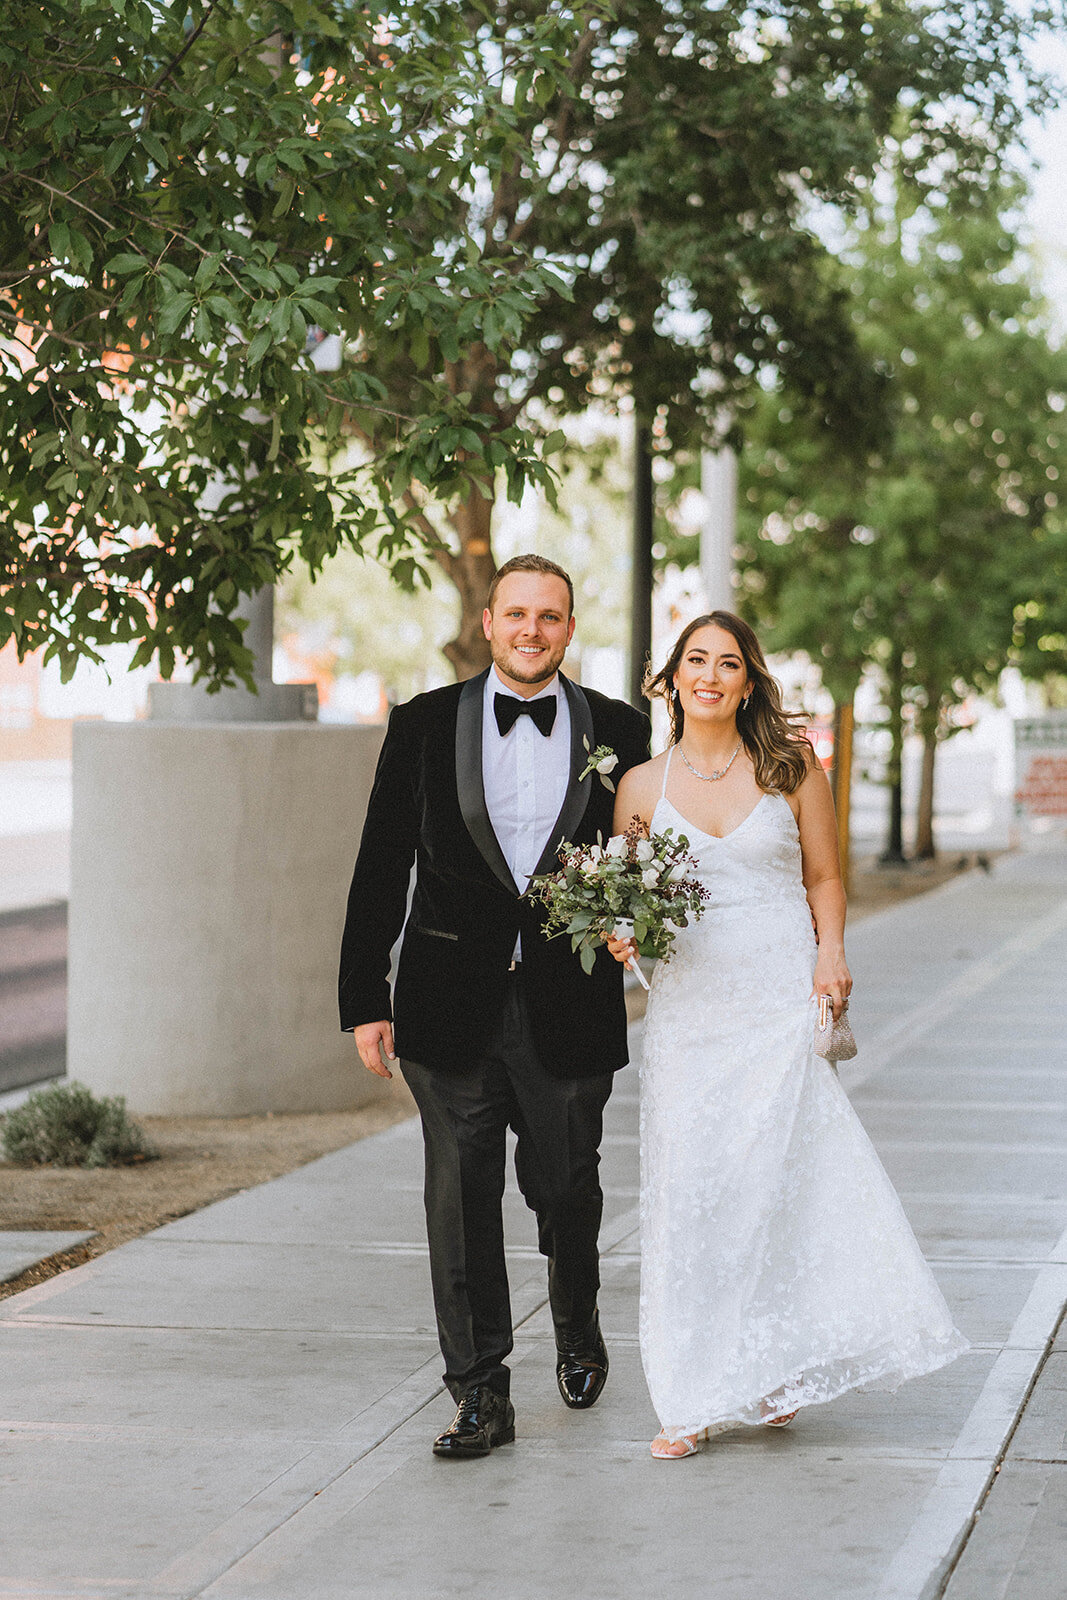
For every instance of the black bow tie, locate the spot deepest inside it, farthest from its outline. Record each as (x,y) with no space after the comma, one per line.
(509,709)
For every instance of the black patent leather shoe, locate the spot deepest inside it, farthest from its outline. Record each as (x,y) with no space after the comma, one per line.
(581,1367)
(483,1420)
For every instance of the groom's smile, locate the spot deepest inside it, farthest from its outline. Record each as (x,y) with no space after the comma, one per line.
(529,628)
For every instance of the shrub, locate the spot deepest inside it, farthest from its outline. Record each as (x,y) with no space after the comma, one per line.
(64,1126)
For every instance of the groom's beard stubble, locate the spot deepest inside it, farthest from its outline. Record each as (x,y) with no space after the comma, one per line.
(511,664)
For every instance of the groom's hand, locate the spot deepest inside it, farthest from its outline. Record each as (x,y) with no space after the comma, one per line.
(371,1038)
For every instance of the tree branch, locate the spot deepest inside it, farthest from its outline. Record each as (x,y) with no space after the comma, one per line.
(65,194)
(15,88)
(186,47)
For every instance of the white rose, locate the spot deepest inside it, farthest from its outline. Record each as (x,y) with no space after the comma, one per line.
(608,764)
(650,877)
(616,846)
(677,873)
(645,851)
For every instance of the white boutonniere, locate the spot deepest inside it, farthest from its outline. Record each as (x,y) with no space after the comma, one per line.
(602,760)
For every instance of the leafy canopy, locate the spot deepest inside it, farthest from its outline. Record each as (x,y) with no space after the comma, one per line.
(678,170)
(679,167)
(945,551)
(497,206)
(186,192)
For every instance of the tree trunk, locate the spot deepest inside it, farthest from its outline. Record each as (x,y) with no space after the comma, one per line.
(893,854)
(925,849)
(471,571)
(641,571)
(841,775)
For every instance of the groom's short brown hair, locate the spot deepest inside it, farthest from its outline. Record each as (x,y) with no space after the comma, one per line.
(530,563)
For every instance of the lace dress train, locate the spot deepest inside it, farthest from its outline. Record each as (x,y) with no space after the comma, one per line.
(777,1262)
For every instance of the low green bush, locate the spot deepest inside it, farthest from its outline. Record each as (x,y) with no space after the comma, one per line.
(65,1126)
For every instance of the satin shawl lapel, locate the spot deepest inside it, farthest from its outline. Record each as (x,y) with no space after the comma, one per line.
(577,797)
(469,784)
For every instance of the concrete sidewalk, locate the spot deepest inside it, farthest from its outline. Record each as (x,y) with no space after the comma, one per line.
(241,1404)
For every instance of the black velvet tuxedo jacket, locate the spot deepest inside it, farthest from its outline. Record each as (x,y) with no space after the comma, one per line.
(428,805)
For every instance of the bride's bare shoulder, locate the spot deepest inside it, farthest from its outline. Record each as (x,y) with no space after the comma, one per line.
(640,787)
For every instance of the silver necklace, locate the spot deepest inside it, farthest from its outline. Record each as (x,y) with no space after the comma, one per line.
(711,777)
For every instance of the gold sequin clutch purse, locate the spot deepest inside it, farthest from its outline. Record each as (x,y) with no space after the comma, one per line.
(834,1039)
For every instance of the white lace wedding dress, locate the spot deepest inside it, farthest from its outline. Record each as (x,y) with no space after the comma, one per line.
(777,1262)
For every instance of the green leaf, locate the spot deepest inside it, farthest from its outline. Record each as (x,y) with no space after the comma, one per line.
(81,250)
(261,343)
(449,342)
(491,327)
(156,149)
(544,89)
(176,308)
(122,265)
(286,195)
(206,273)
(117,154)
(59,241)
(280,317)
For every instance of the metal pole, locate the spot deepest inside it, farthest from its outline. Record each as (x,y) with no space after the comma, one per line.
(844,718)
(641,573)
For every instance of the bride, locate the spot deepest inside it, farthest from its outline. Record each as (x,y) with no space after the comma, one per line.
(778,1268)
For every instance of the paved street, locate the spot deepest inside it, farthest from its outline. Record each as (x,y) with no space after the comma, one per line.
(240,1405)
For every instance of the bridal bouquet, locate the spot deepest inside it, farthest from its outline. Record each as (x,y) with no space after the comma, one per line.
(635,885)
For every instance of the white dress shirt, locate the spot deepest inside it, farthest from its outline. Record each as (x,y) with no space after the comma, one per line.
(524,775)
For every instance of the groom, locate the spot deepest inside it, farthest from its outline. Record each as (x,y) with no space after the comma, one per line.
(495,1026)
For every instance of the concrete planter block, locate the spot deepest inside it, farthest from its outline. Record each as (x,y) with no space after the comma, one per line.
(209,872)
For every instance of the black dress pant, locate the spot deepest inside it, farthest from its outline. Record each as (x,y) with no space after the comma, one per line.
(465,1118)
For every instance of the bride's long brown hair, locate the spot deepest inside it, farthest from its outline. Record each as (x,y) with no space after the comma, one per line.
(781,753)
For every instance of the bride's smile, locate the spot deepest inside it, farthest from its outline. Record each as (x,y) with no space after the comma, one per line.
(711,681)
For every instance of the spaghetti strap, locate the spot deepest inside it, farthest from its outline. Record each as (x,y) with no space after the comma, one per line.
(666,773)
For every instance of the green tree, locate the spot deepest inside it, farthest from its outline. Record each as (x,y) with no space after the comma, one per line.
(186,192)
(674,165)
(363,622)
(925,557)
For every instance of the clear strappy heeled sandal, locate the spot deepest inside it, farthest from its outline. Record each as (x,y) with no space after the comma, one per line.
(677,1449)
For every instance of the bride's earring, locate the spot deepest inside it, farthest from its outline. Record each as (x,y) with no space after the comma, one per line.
(744,701)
